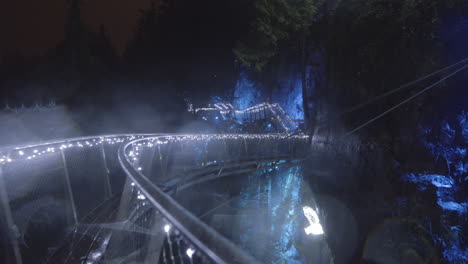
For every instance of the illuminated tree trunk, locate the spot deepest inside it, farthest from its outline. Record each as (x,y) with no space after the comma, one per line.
(305,96)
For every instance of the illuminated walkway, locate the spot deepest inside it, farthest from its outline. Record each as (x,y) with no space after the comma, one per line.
(109,199)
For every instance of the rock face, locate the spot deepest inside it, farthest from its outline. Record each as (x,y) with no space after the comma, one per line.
(371,216)
(390,243)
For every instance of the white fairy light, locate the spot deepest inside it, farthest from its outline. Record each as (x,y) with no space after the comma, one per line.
(167,228)
(190,252)
(162,140)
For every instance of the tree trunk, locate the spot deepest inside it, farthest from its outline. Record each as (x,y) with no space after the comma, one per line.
(305,97)
(310,115)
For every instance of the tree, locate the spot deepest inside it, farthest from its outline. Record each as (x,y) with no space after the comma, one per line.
(142,46)
(276,24)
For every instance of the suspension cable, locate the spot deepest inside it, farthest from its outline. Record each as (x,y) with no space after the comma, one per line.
(402,87)
(359,106)
(404,101)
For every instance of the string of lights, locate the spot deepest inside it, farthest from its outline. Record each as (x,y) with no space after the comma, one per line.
(265,110)
(135,145)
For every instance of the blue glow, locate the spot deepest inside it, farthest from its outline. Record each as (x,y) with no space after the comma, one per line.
(277,221)
(289,96)
(456,254)
(448,142)
(460,208)
(463,122)
(245,93)
(286,205)
(434,179)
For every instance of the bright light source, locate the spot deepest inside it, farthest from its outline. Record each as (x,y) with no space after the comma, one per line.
(167,228)
(315,228)
(190,252)
(21,153)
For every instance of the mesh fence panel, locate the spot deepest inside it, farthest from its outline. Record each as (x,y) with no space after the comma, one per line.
(83,201)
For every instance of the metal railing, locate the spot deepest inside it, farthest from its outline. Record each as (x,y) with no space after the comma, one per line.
(264,111)
(109,197)
(154,162)
(69,177)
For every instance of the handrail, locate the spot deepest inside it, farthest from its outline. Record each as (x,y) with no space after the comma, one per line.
(60,141)
(223,251)
(206,239)
(215,246)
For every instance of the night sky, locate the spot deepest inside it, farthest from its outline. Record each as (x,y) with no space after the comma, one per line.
(31,27)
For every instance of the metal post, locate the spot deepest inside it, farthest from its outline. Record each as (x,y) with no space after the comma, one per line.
(126,200)
(106,171)
(127,203)
(156,241)
(12,228)
(149,168)
(161,163)
(69,189)
(245,146)
(184,165)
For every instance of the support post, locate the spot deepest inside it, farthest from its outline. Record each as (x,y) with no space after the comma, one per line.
(106,171)
(149,168)
(162,163)
(156,241)
(68,185)
(13,232)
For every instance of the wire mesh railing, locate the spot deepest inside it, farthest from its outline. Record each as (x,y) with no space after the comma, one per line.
(72,201)
(264,111)
(152,163)
(48,188)
(107,199)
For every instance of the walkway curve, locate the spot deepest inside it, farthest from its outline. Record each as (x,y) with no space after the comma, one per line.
(105,165)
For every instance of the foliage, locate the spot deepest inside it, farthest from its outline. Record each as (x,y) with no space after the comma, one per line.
(449,141)
(275,22)
(144,37)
